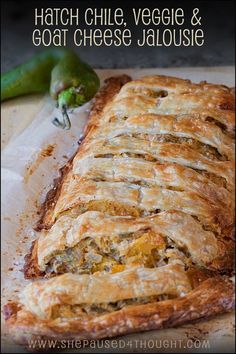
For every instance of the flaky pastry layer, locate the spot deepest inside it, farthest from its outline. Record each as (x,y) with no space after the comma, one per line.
(139,225)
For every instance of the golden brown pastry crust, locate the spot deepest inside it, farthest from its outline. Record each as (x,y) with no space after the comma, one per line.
(209,106)
(111,87)
(160,149)
(201,128)
(103,287)
(212,296)
(181,172)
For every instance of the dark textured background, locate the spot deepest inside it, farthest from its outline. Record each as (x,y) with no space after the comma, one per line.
(218,22)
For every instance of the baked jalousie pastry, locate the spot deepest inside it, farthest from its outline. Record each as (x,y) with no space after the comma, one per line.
(137,233)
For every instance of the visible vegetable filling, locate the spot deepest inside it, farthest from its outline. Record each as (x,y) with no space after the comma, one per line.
(96,309)
(115,253)
(148,92)
(105,206)
(205,149)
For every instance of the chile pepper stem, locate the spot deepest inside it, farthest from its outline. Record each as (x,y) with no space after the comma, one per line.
(71,81)
(65,124)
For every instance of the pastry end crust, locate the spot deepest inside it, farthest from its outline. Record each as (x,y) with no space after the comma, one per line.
(213,296)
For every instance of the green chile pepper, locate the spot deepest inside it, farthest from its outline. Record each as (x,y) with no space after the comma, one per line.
(71,81)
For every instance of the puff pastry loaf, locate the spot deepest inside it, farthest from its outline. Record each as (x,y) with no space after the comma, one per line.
(137,233)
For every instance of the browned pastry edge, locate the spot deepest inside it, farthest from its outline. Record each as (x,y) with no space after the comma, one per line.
(30,268)
(53,194)
(111,87)
(213,296)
